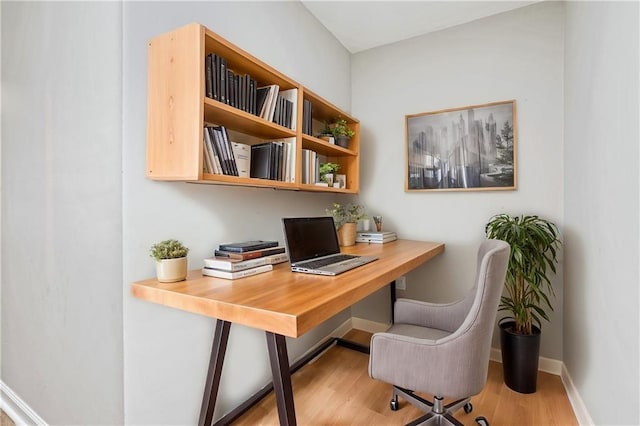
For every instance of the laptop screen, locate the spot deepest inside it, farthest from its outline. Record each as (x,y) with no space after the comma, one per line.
(310,237)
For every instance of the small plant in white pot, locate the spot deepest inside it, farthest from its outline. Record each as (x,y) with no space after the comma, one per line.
(171,260)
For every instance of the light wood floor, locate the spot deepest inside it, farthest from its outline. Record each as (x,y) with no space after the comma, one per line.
(6,420)
(335,389)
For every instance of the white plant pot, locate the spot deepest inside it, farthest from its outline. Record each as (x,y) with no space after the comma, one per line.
(171,270)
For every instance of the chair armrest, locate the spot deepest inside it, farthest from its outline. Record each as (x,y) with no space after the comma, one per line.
(445,316)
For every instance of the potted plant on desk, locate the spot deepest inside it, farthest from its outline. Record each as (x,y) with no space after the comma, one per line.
(171,260)
(346,219)
(534,244)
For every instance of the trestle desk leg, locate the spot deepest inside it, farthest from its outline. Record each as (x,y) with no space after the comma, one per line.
(392,291)
(218,349)
(277,346)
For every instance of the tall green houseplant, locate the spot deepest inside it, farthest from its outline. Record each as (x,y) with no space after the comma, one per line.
(534,249)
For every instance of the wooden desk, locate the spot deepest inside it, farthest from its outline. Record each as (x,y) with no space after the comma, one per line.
(282,303)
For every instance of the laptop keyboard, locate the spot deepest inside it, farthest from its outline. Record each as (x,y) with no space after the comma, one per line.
(315,264)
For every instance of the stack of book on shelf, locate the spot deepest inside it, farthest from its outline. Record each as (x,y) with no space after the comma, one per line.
(224,85)
(376,237)
(274,160)
(223,156)
(241,91)
(307,118)
(237,260)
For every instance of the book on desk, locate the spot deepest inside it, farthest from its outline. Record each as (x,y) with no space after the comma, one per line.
(217,273)
(234,265)
(237,260)
(376,237)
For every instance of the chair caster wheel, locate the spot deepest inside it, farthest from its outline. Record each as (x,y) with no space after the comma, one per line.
(394,405)
(482,421)
(468,407)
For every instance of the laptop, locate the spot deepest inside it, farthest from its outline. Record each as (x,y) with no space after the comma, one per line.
(312,244)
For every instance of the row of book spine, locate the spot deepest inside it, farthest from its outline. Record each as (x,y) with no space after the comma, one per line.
(274,160)
(241,91)
(222,156)
(307,120)
(224,85)
(310,166)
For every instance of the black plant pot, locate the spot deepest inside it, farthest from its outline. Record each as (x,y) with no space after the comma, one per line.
(520,355)
(343,141)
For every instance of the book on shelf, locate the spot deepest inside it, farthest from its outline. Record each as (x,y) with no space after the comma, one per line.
(212,161)
(307,113)
(376,237)
(271,99)
(209,75)
(243,246)
(290,116)
(223,80)
(249,254)
(260,161)
(227,159)
(261,97)
(217,273)
(233,265)
(274,160)
(242,157)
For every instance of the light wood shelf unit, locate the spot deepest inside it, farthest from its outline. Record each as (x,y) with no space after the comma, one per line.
(178,110)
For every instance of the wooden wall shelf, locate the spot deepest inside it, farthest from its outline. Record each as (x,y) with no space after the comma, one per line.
(178,110)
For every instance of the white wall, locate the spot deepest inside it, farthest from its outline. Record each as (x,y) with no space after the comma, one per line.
(166,350)
(61,209)
(601,208)
(514,55)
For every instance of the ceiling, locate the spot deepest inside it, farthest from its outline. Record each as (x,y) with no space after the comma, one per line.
(362,25)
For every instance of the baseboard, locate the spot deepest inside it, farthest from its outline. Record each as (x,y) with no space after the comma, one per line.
(548,365)
(579,409)
(18,410)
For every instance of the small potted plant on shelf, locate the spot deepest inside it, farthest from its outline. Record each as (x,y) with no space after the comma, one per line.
(327,172)
(534,249)
(346,219)
(342,132)
(326,134)
(171,260)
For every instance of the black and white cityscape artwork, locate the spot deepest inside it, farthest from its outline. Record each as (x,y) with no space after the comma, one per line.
(465,148)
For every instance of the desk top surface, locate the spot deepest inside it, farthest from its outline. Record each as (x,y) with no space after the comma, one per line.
(286,302)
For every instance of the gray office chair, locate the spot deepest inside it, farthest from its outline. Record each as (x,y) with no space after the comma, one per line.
(443,349)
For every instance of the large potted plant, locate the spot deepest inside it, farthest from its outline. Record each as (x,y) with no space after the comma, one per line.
(346,219)
(171,260)
(534,249)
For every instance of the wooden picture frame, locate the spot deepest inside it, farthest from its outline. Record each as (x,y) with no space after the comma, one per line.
(472,148)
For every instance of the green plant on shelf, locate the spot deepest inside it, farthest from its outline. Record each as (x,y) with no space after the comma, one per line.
(340,128)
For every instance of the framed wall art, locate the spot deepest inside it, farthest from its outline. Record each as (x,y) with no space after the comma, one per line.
(462,149)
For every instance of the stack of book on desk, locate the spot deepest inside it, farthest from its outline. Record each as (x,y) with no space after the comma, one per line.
(237,260)
(376,237)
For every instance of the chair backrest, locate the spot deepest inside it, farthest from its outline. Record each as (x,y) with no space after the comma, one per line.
(476,331)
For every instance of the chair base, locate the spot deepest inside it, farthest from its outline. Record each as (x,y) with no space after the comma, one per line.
(436,412)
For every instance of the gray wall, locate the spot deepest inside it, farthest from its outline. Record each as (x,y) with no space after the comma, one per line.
(62,210)
(601,208)
(166,350)
(514,55)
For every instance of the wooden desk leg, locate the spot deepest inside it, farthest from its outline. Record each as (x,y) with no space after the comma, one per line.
(218,350)
(281,378)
